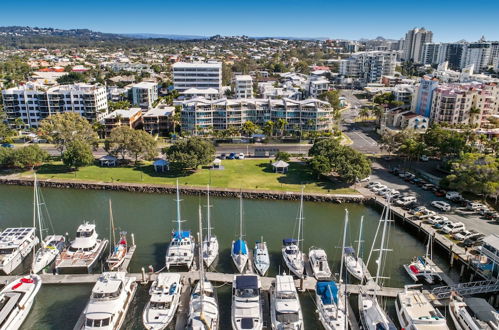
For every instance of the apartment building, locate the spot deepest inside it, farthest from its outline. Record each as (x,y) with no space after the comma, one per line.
(144,94)
(413,44)
(159,120)
(131,118)
(243,86)
(197,75)
(403,93)
(369,67)
(199,115)
(423,96)
(477,54)
(32,103)
(317,85)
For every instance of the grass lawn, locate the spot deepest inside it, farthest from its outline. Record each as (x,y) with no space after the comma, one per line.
(245,174)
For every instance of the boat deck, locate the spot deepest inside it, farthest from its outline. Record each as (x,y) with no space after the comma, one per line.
(128,257)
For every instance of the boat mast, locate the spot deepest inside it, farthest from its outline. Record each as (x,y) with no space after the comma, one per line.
(38,211)
(112,236)
(382,245)
(208,237)
(240,220)
(300,221)
(343,245)
(179,228)
(360,236)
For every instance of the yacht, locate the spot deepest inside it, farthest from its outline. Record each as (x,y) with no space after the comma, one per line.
(354,263)
(330,306)
(472,314)
(239,250)
(415,311)
(15,245)
(83,253)
(246,305)
(210,243)
(118,253)
(16,299)
(291,250)
(111,296)
(422,268)
(180,252)
(285,309)
(261,257)
(165,296)
(317,258)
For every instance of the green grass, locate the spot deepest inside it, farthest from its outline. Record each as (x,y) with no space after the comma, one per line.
(245,174)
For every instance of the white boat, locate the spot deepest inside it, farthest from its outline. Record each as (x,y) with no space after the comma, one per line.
(15,245)
(247,310)
(317,258)
(291,250)
(118,250)
(203,305)
(165,296)
(285,309)
(83,253)
(180,251)
(421,267)
(210,243)
(261,257)
(330,306)
(472,314)
(354,264)
(415,311)
(111,296)
(16,299)
(239,250)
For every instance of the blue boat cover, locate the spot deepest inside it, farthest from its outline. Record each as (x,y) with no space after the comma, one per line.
(182,234)
(349,250)
(289,241)
(247,282)
(328,291)
(240,247)
(421,260)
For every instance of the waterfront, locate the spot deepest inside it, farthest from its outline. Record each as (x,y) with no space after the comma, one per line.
(149,217)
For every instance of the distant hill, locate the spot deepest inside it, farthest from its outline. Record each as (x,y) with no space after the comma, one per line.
(163,36)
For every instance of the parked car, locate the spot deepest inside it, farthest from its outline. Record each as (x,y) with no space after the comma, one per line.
(442,206)
(232,155)
(406,200)
(417,210)
(415,180)
(7,145)
(437,218)
(223,155)
(424,158)
(428,186)
(426,214)
(491,215)
(404,174)
(372,184)
(409,206)
(395,170)
(241,156)
(378,188)
(393,196)
(384,191)
(409,177)
(463,234)
(475,206)
(453,227)
(421,182)
(452,194)
(442,224)
(366,179)
(474,240)
(439,192)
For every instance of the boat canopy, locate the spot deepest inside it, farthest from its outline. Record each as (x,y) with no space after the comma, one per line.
(481,309)
(349,250)
(240,247)
(289,241)
(182,234)
(247,282)
(422,261)
(328,291)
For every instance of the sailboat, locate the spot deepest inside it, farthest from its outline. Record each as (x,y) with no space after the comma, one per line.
(118,250)
(239,250)
(210,243)
(261,257)
(180,252)
(421,267)
(203,305)
(354,263)
(371,313)
(291,250)
(52,245)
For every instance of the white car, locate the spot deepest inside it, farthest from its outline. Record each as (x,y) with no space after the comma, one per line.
(389,192)
(475,206)
(424,158)
(434,219)
(366,179)
(378,188)
(453,228)
(426,214)
(462,235)
(406,200)
(373,184)
(442,206)
(241,156)
(452,195)
(383,191)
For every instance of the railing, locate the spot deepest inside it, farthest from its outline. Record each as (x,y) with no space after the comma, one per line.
(466,289)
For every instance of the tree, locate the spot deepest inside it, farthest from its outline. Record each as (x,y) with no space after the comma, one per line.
(364,112)
(118,142)
(333,97)
(249,128)
(71,78)
(77,154)
(281,155)
(176,118)
(320,165)
(6,156)
(281,125)
(29,157)
(125,105)
(190,153)
(124,141)
(143,146)
(268,128)
(5,132)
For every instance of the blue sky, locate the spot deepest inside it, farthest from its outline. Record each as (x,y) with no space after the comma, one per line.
(348,19)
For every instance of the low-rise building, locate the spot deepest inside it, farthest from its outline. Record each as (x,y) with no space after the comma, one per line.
(144,94)
(159,120)
(207,93)
(131,118)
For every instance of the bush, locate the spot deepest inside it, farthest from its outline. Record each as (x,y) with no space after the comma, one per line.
(77,154)
(29,157)
(281,155)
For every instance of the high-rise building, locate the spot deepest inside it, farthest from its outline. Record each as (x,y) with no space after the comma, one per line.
(144,94)
(431,52)
(477,54)
(369,67)
(413,44)
(197,75)
(421,102)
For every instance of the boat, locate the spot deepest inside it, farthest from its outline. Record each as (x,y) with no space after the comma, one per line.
(246,308)
(415,311)
(15,245)
(354,263)
(203,304)
(472,313)
(51,246)
(317,258)
(421,267)
(291,250)
(180,251)
(330,306)
(285,309)
(165,296)
(210,243)
(261,257)
(239,250)
(83,253)
(118,250)
(16,300)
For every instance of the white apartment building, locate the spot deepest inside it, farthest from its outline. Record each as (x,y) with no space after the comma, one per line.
(369,67)
(32,102)
(144,94)
(317,85)
(243,86)
(477,54)
(197,75)
(413,44)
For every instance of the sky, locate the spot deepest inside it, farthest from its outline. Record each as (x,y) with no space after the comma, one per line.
(348,19)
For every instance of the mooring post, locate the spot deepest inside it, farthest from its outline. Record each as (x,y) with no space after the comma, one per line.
(133,240)
(462,271)
(143,271)
(301,284)
(451,255)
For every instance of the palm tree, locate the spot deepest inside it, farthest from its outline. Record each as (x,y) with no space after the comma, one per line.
(364,112)
(281,124)
(176,118)
(268,128)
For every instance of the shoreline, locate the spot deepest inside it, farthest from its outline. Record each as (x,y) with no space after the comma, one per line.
(186,190)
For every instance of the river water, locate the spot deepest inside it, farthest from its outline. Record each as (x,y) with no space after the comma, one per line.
(150,218)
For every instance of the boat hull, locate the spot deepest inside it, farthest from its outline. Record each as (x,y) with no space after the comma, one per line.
(19,256)
(72,266)
(210,251)
(295,265)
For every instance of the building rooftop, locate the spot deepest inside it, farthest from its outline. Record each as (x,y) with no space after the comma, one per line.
(243,77)
(196,65)
(161,110)
(123,113)
(145,84)
(199,91)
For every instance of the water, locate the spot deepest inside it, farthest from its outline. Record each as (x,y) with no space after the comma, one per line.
(149,217)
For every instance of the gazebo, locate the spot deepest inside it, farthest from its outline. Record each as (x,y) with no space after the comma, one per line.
(108,160)
(217,163)
(161,165)
(280,166)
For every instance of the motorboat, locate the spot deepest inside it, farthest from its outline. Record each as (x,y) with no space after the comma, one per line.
(261,257)
(180,251)
(239,250)
(51,247)
(16,300)
(15,245)
(415,311)
(165,296)
(83,253)
(317,258)
(247,310)
(422,267)
(355,266)
(111,296)
(291,250)
(210,242)
(285,309)
(330,306)
(472,313)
